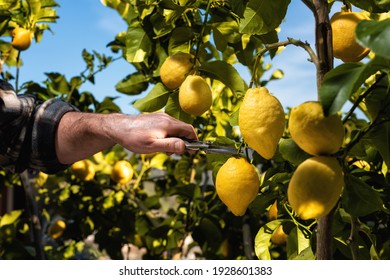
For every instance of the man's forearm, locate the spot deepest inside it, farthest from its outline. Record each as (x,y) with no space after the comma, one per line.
(80,135)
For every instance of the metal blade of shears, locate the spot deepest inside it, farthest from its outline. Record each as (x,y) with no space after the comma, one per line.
(209,147)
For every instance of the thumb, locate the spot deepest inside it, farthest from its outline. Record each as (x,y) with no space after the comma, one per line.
(170,145)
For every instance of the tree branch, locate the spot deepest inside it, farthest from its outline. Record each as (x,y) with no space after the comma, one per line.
(289,41)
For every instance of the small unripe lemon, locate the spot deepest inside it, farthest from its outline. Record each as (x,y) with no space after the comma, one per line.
(175,69)
(21,38)
(83,170)
(313,132)
(237,184)
(315,187)
(261,120)
(122,172)
(345,46)
(56,229)
(195,96)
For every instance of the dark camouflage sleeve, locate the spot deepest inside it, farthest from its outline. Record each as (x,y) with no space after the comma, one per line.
(27,131)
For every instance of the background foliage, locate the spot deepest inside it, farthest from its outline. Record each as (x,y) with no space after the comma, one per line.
(170,209)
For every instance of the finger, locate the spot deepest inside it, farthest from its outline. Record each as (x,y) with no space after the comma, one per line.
(170,145)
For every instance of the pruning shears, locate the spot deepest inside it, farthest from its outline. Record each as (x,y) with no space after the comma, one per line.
(210,148)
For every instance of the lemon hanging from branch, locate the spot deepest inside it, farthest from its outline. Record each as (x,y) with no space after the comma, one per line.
(261,120)
(237,184)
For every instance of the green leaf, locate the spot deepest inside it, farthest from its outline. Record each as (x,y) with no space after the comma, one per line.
(297,243)
(380,138)
(375,35)
(155,100)
(263,16)
(358,198)
(263,239)
(133,84)
(159,160)
(341,82)
(10,218)
(180,40)
(125,10)
(374,6)
(227,74)
(138,45)
(173,109)
(291,152)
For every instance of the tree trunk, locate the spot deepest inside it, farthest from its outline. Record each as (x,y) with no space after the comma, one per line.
(323,33)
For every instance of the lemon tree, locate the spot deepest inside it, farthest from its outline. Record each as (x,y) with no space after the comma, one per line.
(305,181)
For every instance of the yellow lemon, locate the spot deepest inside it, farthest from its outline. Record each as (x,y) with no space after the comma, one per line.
(83,169)
(122,172)
(21,38)
(313,132)
(56,229)
(261,120)
(345,46)
(237,184)
(195,95)
(175,68)
(315,187)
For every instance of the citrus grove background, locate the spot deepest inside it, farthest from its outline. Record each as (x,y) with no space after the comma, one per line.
(316,186)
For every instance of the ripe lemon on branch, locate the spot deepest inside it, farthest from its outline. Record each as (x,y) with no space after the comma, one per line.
(195,96)
(315,187)
(21,38)
(261,120)
(345,46)
(83,169)
(122,172)
(175,68)
(237,184)
(313,132)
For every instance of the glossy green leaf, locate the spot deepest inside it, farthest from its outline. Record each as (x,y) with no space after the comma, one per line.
(155,100)
(358,198)
(173,109)
(263,16)
(263,239)
(375,35)
(227,74)
(138,45)
(133,84)
(291,152)
(341,82)
(297,243)
(125,9)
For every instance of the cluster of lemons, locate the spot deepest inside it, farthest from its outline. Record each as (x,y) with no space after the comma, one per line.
(317,183)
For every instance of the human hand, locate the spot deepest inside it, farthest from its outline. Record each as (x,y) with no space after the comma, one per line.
(148,133)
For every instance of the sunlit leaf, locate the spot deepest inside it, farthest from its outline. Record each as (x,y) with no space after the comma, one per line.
(138,45)
(133,84)
(227,74)
(10,218)
(155,100)
(263,16)
(341,82)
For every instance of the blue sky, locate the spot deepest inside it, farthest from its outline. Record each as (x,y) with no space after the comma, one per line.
(90,25)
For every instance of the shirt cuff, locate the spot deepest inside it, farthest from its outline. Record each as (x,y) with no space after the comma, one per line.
(43,148)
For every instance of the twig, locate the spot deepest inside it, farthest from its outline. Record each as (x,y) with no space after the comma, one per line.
(310,5)
(289,41)
(352,239)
